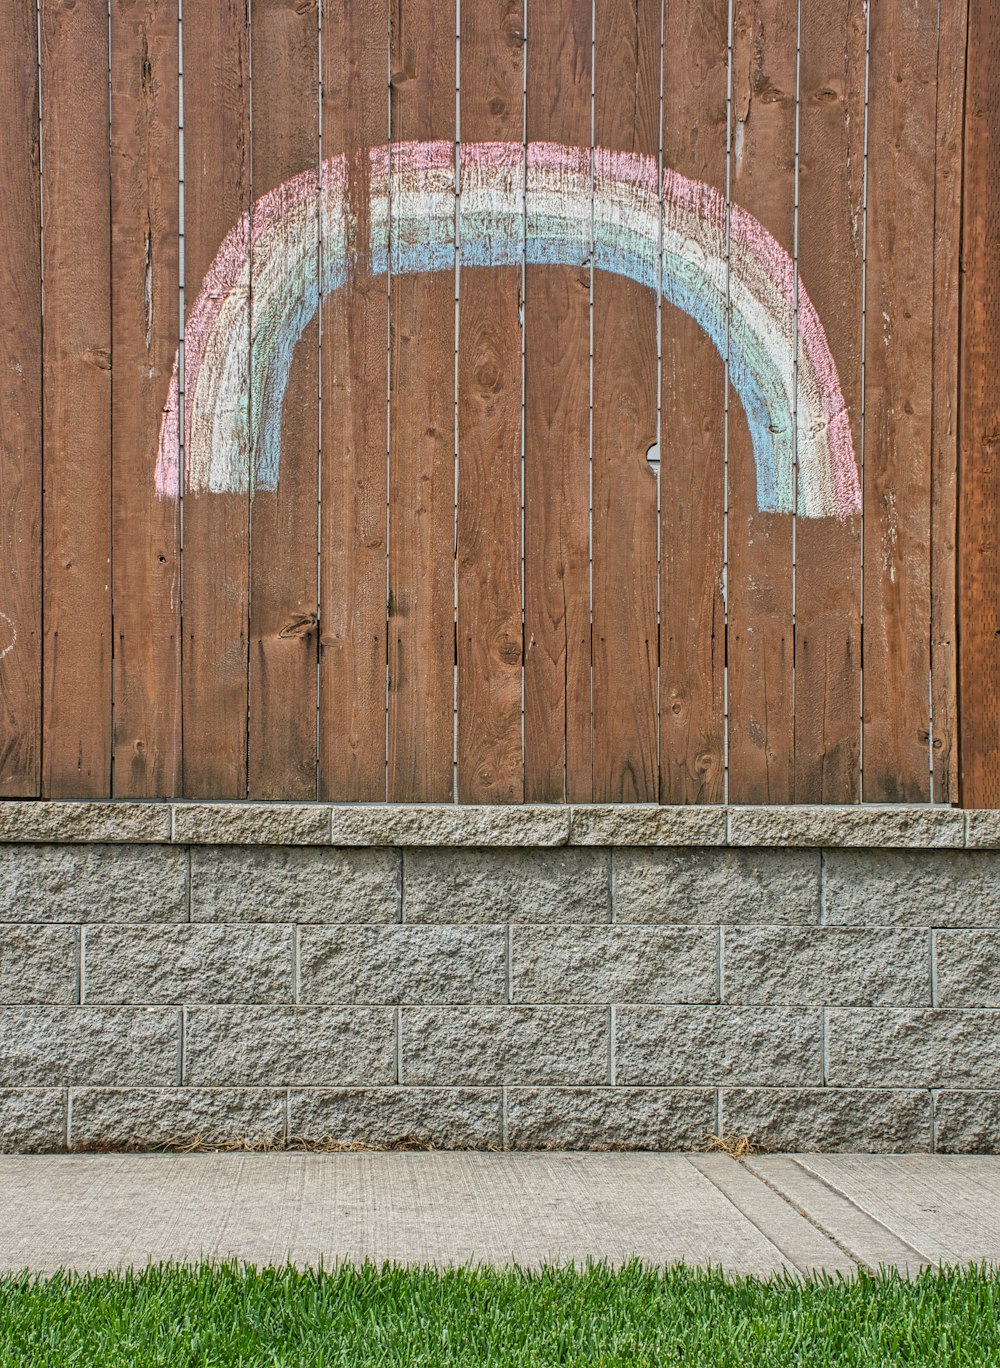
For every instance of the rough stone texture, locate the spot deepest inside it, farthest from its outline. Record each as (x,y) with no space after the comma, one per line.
(849,966)
(968,968)
(919,887)
(929,1048)
(831,1119)
(636,824)
(294,884)
(94,821)
(846,826)
(506,885)
(251,823)
(967,1122)
(66,1046)
(206,963)
(716,886)
(614,964)
(609,1118)
(476,1046)
(399,993)
(394,964)
(982,828)
(431,824)
(150,1118)
(39,963)
(92,883)
(32,1120)
(709,1046)
(447,1118)
(289,1046)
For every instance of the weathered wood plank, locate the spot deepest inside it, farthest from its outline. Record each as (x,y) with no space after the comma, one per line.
(421,427)
(625,403)
(355,424)
(945,406)
(20,406)
(281,756)
(979,560)
(489,636)
(761,705)
(216,522)
(558,742)
(76,201)
(692,455)
(145,266)
(831,260)
(898,388)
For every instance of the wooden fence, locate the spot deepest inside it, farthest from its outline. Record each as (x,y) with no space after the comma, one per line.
(512,400)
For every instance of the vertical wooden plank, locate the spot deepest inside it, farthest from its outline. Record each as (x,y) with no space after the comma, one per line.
(216,523)
(422,435)
(979,561)
(558,745)
(281,754)
(20,406)
(898,388)
(354,419)
(833,43)
(761,706)
(944,413)
(692,442)
(625,404)
(76,201)
(489,638)
(144,329)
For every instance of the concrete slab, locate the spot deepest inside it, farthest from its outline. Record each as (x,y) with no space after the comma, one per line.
(761,1216)
(947,1205)
(99,1211)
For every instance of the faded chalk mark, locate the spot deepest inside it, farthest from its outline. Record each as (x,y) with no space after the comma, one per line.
(545,205)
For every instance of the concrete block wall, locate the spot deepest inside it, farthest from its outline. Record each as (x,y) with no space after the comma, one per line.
(510,978)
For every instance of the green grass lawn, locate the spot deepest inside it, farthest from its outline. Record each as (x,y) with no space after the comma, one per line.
(379,1316)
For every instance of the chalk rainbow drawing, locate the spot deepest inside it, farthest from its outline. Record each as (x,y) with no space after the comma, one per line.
(547,204)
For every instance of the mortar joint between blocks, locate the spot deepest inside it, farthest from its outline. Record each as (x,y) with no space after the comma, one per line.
(401,886)
(190,882)
(296,965)
(933,966)
(822,887)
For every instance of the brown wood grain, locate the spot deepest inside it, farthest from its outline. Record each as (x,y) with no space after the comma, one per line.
(979,551)
(355,425)
(76,200)
(692,443)
(489,636)
(145,265)
(20,406)
(216,525)
(898,389)
(281,754)
(625,403)
(944,413)
(760,640)
(422,441)
(558,742)
(827,737)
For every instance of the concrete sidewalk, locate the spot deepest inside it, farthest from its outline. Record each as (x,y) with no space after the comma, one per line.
(759,1215)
